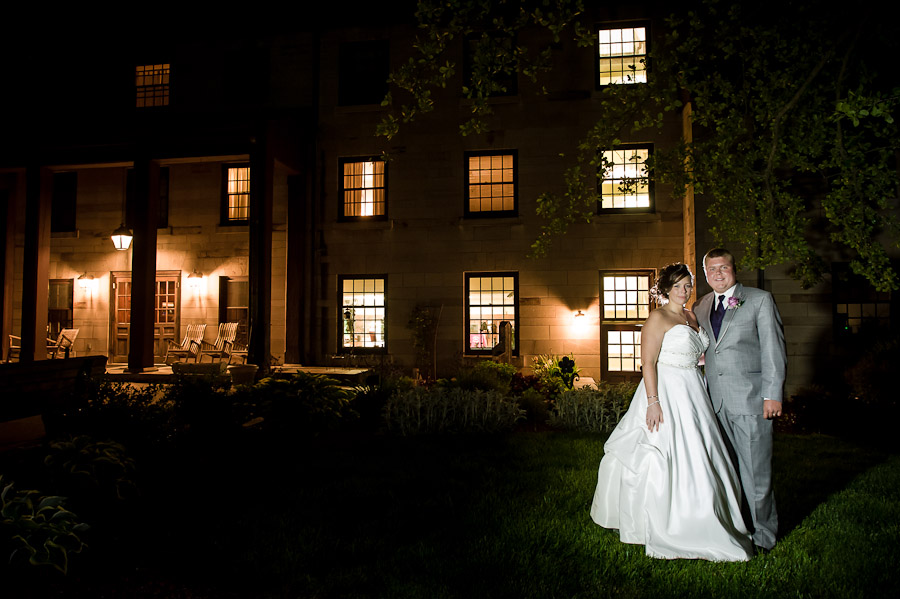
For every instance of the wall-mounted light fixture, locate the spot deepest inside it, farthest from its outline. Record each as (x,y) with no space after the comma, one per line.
(579,314)
(85,281)
(195,279)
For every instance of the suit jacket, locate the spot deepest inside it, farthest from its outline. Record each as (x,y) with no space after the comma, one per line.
(747,362)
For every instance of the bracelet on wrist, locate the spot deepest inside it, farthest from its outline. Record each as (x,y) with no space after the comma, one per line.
(652,396)
(650,404)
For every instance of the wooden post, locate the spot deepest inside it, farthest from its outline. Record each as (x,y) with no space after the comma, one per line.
(143,265)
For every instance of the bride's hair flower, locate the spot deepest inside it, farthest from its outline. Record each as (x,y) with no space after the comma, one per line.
(734,303)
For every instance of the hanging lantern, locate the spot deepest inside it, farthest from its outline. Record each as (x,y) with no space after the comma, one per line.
(121,238)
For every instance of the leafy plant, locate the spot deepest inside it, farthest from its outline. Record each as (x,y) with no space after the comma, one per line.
(486,375)
(592,409)
(302,401)
(37,529)
(556,374)
(450,410)
(96,469)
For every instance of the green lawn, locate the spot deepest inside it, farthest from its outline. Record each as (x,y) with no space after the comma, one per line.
(481,516)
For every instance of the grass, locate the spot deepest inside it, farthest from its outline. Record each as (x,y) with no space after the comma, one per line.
(459,516)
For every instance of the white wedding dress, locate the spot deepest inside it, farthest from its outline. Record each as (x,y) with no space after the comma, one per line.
(675,490)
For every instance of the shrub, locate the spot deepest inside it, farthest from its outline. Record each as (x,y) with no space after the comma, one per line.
(136,416)
(370,398)
(450,410)
(593,409)
(300,402)
(486,375)
(95,471)
(37,530)
(555,373)
(536,406)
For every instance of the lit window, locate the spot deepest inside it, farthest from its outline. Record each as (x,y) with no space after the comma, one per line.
(152,82)
(362,312)
(491,298)
(625,305)
(236,200)
(625,183)
(362,189)
(491,187)
(621,55)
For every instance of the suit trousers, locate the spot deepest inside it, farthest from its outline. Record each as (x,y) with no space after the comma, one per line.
(751,439)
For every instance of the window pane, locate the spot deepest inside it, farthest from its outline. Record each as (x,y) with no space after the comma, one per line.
(152,85)
(491,183)
(362,188)
(491,299)
(362,313)
(622,56)
(624,182)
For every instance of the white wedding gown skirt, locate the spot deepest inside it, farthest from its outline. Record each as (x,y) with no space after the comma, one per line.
(675,490)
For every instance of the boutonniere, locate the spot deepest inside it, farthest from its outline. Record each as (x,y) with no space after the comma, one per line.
(734,303)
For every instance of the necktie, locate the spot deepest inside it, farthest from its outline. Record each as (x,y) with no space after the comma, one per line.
(715,319)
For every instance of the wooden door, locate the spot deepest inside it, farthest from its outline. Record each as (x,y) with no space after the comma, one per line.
(166,308)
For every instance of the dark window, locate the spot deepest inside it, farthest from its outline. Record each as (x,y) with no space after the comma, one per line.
(858,308)
(363,188)
(362,312)
(234,305)
(622,51)
(624,180)
(59,304)
(151,85)
(502,74)
(491,183)
(624,306)
(491,298)
(62,212)
(131,208)
(236,194)
(363,72)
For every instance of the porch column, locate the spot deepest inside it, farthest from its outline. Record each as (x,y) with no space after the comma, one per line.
(299,243)
(143,264)
(262,174)
(36,280)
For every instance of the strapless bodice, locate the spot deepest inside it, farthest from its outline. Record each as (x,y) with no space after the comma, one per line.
(682,346)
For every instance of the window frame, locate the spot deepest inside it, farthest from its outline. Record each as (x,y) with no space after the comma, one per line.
(64,202)
(355,82)
(341,318)
(166,86)
(242,337)
(511,80)
(162,218)
(622,323)
(651,187)
(342,204)
(495,335)
(467,211)
(851,290)
(225,220)
(622,25)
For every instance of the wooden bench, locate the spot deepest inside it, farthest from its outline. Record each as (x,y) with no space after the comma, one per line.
(29,389)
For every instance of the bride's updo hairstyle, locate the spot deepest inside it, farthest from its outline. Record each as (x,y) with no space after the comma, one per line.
(667,278)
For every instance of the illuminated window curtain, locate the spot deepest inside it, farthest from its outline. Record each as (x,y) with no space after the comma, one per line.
(491,300)
(363,188)
(362,312)
(625,183)
(152,83)
(492,183)
(238,193)
(622,55)
(625,306)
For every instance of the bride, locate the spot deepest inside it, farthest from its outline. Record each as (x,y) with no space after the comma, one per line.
(666,480)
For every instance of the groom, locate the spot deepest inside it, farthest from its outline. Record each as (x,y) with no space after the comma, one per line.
(745,366)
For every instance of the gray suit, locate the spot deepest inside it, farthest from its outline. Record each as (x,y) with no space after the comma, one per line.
(745,365)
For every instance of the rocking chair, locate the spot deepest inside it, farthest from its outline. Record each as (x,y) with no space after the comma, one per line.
(189,346)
